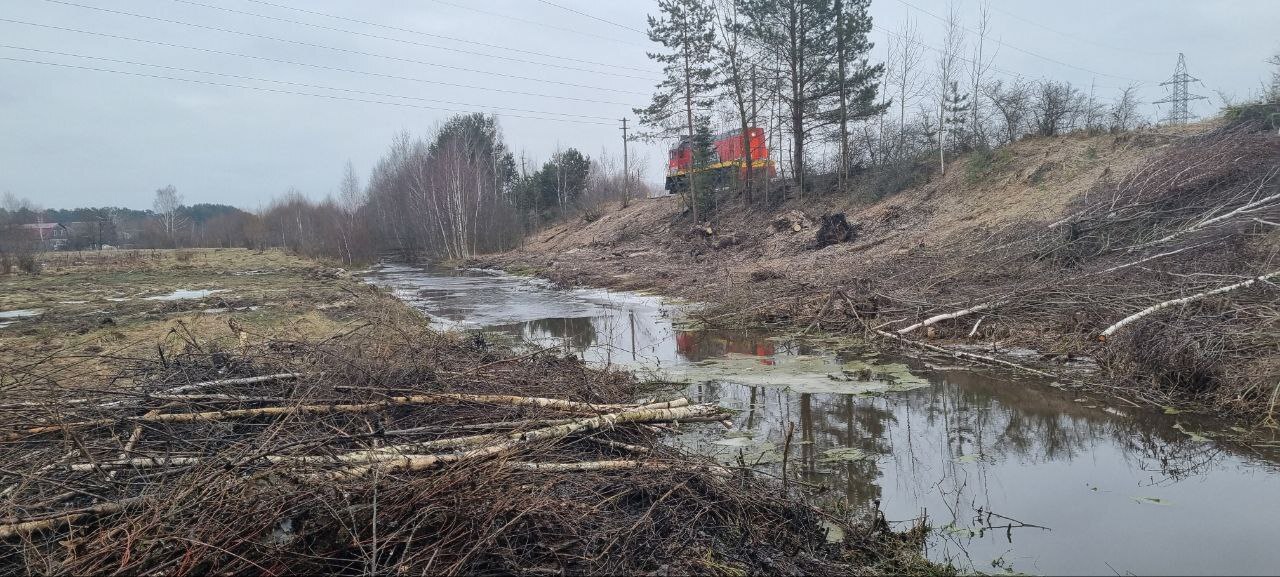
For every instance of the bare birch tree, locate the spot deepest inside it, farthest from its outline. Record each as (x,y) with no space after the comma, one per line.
(904,76)
(948,72)
(979,66)
(167,205)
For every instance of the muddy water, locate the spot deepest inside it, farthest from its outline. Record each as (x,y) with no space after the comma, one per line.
(1013,475)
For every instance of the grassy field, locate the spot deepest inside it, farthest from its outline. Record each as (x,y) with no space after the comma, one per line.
(90,310)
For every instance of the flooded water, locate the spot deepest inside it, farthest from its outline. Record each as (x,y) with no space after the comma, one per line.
(1013,475)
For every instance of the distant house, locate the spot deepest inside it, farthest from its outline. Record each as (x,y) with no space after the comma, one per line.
(50,235)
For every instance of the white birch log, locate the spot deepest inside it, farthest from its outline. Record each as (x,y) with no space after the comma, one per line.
(215,416)
(952,315)
(1111,330)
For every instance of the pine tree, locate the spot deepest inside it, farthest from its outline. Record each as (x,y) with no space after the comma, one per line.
(956,117)
(800,36)
(685,31)
(703,155)
(856,81)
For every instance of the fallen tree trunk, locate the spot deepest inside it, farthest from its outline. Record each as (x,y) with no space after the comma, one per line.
(21,528)
(420,462)
(964,354)
(1245,209)
(412,450)
(949,316)
(1182,301)
(239,381)
(215,416)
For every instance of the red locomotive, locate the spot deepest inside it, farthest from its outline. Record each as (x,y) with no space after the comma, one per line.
(728,162)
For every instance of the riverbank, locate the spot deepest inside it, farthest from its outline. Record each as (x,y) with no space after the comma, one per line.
(229,411)
(1137,264)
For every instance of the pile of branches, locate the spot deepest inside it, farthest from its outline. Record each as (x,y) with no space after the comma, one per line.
(1168,276)
(390,450)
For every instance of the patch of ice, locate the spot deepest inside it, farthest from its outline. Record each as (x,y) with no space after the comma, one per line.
(20,314)
(184,294)
(224,309)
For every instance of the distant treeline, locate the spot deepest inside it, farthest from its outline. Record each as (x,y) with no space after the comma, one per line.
(453,193)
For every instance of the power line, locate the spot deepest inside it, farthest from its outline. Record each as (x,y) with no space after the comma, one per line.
(1024,51)
(1011,73)
(292,92)
(336,49)
(290,83)
(443,37)
(1076,36)
(536,23)
(410,42)
(597,18)
(309,65)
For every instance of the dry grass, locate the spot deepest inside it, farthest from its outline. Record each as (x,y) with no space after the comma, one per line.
(94,307)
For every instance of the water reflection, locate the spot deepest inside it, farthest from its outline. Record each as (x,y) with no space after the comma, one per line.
(1012,474)
(991,462)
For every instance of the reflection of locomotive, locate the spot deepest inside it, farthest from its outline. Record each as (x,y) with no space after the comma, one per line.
(729,160)
(699,345)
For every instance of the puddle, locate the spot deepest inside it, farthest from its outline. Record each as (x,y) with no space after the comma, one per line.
(1093,489)
(184,294)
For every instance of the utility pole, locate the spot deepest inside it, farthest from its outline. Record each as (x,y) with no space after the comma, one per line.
(626,168)
(751,154)
(1179,113)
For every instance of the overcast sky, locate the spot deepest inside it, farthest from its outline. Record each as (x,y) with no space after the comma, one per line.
(74,136)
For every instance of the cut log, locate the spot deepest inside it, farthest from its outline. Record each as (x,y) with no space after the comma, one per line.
(413,450)
(216,416)
(22,528)
(240,381)
(420,462)
(954,315)
(964,355)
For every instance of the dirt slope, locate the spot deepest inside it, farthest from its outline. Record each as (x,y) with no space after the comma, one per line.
(646,245)
(1068,235)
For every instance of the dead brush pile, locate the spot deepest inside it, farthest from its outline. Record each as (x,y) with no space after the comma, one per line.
(390,449)
(1167,275)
